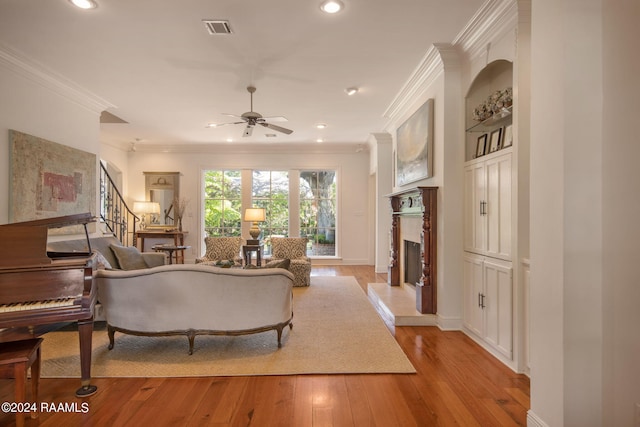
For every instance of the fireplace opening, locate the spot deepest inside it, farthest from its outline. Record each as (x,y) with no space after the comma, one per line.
(412,263)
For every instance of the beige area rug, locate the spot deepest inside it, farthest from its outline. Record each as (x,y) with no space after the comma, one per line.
(336,331)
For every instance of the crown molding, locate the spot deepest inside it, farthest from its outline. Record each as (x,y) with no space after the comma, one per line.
(252,149)
(39,74)
(427,71)
(493,19)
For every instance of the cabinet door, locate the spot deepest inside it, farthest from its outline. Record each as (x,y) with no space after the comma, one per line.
(475,197)
(498,305)
(473,313)
(498,207)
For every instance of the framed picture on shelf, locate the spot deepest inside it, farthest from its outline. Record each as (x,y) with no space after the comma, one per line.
(507,140)
(494,144)
(481,146)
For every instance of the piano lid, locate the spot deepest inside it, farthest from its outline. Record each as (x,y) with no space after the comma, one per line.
(25,243)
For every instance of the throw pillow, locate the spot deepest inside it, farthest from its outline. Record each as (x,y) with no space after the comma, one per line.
(102,261)
(129,257)
(273,264)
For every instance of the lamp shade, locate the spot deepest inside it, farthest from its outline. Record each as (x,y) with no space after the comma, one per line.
(254,214)
(146,207)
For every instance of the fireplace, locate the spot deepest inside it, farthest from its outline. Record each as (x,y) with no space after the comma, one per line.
(421,203)
(412,263)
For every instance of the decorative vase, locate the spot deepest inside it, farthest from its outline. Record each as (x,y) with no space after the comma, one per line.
(179,224)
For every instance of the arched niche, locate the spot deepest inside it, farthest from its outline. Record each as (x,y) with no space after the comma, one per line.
(497,75)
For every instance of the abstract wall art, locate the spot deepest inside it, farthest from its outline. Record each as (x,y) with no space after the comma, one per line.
(414,146)
(49,179)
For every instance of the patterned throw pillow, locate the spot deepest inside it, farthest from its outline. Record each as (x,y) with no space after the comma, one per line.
(285,263)
(289,247)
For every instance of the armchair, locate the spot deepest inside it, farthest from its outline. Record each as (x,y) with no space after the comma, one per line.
(294,249)
(222,249)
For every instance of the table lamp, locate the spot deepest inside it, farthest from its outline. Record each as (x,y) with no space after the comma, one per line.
(254,215)
(144,208)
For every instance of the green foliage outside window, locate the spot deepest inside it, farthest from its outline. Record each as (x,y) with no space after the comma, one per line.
(222,204)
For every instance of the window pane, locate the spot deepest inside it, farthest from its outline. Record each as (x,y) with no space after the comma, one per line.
(223,191)
(318,211)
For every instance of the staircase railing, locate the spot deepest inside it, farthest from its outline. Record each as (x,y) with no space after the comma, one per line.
(114,212)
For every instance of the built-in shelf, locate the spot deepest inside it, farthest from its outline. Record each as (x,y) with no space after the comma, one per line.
(492,122)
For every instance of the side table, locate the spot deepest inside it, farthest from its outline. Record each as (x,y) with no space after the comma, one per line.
(247,250)
(170,249)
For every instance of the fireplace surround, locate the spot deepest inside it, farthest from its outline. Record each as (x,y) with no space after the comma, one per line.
(418,202)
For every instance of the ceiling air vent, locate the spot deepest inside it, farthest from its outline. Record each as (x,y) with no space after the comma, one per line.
(216,26)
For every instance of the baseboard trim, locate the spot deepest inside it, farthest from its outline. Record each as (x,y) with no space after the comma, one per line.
(449,323)
(534,421)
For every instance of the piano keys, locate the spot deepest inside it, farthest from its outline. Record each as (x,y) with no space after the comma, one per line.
(41,290)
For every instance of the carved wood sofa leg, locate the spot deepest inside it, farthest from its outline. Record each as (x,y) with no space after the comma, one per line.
(279,329)
(111,333)
(191,334)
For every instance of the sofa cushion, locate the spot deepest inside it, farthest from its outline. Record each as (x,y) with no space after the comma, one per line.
(129,257)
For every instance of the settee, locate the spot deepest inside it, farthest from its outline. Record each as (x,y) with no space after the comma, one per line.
(195,299)
(107,257)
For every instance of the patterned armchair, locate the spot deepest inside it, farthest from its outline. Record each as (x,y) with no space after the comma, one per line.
(294,249)
(222,249)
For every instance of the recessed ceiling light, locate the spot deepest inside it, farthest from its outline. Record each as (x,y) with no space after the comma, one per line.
(331,6)
(319,140)
(229,139)
(212,125)
(321,125)
(351,90)
(84,4)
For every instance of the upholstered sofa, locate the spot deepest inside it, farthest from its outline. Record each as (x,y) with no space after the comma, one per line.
(103,245)
(108,258)
(193,299)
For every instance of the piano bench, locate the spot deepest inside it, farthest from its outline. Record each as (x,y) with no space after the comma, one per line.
(15,359)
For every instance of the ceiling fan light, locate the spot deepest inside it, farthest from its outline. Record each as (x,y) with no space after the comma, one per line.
(84,4)
(331,6)
(351,90)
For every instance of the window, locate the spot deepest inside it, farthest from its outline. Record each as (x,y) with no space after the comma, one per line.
(270,190)
(310,212)
(223,202)
(318,211)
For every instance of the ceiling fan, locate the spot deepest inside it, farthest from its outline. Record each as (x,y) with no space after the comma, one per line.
(251,118)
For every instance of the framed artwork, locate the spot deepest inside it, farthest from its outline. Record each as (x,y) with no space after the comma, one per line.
(414,143)
(494,143)
(50,180)
(481,146)
(507,140)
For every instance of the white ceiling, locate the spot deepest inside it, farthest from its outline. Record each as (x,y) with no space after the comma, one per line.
(167,77)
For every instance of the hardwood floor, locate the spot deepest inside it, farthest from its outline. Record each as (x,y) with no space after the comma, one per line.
(457,383)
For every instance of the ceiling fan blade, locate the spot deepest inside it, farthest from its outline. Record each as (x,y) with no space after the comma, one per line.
(276,119)
(277,128)
(217,125)
(248,131)
(232,115)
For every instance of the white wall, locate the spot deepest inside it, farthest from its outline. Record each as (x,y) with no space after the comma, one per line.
(43,108)
(584,210)
(353,181)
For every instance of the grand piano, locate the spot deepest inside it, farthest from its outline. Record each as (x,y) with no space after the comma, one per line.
(41,291)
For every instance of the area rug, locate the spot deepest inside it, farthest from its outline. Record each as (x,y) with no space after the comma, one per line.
(336,331)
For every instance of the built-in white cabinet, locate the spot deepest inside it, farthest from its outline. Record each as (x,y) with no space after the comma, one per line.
(487,198)
(488,293)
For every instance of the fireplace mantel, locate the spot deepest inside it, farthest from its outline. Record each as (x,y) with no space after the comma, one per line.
(422,202)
